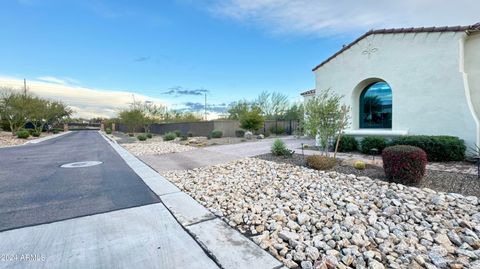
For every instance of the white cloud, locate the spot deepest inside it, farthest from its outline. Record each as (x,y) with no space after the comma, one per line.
(86,102)
(333,17)
(57,80)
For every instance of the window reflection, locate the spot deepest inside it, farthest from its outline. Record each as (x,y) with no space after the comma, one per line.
(376,106)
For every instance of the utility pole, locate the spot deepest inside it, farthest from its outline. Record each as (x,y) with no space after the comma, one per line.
(205,106)
(134,103)
(25,87)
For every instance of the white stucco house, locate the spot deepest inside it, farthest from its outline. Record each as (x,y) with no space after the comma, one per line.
(409,81)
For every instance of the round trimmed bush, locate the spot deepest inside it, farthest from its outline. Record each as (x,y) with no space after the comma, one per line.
(169,136)
(190,134)
(404,164)
(347,143)
(35,134)
(371,142)
(142,137)
(178,133)
(149,135)
(359,165)
(24,134)
(318,162)
(216,134)
(108,130)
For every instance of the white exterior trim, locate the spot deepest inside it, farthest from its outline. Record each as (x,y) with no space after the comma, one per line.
(380,132)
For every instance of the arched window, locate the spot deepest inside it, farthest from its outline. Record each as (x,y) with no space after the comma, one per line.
(376,106)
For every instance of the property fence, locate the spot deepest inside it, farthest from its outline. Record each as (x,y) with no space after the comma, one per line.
(204,128)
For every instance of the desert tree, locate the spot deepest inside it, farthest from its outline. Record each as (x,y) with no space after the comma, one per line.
(252,120)
(237,109)
(325,117)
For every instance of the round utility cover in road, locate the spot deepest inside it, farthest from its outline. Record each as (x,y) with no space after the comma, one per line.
(80,164)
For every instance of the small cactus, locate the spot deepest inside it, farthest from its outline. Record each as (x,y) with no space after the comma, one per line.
(360,165)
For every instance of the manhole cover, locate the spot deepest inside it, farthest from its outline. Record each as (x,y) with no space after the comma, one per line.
(80,164)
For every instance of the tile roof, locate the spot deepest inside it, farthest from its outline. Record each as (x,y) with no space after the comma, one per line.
(468,28)
(312,91)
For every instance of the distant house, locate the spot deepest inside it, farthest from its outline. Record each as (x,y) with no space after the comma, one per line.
(409,81)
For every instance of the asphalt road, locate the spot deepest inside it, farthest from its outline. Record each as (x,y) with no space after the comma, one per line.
(34,189)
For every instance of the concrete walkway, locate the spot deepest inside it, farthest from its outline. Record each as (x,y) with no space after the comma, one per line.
(217,154)
(141,237)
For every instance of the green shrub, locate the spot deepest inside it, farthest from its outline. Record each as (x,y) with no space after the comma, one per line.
(108,131)
(169,136)
(149,135)
(178,133)
(279,149)
(277,130)
(24,134)
(142,137)
(131,135)
(239,133)
(216,134)
(371,142)
(404,164)
(190,134)
(5,126)
(252,120)
(318,162)
(360,165)
(183,138)
(347,143)
(438,148)
(55,131)
(35,134)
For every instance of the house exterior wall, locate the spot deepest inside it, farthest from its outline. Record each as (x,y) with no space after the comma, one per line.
(472,75)
(423,70)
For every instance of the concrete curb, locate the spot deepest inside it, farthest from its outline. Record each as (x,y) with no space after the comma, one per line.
(39,140)
(227,247)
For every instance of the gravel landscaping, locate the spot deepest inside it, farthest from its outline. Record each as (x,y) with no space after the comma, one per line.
(316,219)
(155,147)
(8,140)
(446,181)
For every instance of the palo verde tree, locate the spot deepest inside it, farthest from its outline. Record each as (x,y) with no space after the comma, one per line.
(273,105)
(152,113)
(13,108)
(133,118)
(237,109)
(326,117)
(17,108)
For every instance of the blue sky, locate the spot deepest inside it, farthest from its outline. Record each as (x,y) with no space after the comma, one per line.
(175,50)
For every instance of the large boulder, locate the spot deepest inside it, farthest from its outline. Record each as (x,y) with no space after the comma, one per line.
(248,135)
